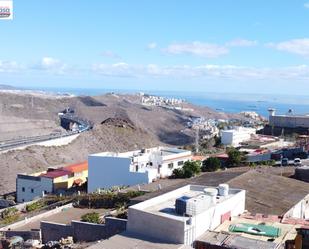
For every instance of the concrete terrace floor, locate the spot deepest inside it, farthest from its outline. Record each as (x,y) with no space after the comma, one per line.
(64,217)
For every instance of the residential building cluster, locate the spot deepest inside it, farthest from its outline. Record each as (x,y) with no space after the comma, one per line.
(160,101)
(110,169)
(53,180)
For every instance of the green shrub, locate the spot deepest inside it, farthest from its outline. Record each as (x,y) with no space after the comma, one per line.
(189,169)
(9,215)
(211,164)
(105,200)
(35,206)
(91,218)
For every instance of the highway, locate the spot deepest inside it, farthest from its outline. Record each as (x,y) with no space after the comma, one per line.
(11,144)
(15,143)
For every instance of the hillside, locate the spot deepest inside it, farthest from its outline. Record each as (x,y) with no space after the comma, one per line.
(120,123)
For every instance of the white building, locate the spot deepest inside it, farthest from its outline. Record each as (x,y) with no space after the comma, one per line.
(289,120)
(110,169)
(236,136)
(158,217)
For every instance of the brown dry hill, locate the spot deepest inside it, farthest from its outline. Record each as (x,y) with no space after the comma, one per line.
(120,123)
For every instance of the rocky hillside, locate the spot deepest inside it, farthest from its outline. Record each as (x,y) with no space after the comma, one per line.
(121,123)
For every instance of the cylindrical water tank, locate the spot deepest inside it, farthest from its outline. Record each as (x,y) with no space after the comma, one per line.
(212,192)
(223,189)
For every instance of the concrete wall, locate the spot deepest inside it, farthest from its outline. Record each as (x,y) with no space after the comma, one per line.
(184,230)
(33,187)
(289,121)
(82,231)
(300,210)
(259,157)
(35,235)
(106,172)
(41,216)
(54,231)
(154,226)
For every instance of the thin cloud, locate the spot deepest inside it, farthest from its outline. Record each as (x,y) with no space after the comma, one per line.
(241,43)
(300,72)
(295,46)
(306,5)
(10,66)
(52,65)
(207,50)
(152,45)
(110,54)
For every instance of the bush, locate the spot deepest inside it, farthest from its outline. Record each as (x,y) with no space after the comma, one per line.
(211,164)
(235,157)
(91,218)
(178,173)
(35,206)
(189,169)
(105,200)
(9,215)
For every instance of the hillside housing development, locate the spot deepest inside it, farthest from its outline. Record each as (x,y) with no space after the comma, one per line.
(109,169)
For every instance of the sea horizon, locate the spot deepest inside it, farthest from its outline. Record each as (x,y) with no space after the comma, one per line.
(221,102)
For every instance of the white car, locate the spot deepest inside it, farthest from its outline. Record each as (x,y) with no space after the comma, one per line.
(297,162)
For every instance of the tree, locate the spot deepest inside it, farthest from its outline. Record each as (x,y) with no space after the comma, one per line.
(91,217)
(211,164)
(189,169)
(235,157)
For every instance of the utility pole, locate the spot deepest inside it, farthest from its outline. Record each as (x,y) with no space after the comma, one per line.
(197,135)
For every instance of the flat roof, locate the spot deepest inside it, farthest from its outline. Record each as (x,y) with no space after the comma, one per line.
(288,231)
(166,151)
(127,240)
(165,205)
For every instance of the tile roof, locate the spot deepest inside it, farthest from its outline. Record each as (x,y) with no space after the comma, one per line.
(78,167)
(56,173)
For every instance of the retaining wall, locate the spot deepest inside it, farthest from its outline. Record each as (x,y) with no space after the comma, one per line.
(34,234)
(82,231)
(54,231)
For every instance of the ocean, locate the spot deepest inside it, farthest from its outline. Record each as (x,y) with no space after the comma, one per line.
(225,102)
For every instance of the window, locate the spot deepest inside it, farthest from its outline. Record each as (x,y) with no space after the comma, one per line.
(78,174)
(170,165)
(32,190)
(23,189)
(180,163)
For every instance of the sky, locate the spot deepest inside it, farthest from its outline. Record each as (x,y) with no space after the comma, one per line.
(239,46)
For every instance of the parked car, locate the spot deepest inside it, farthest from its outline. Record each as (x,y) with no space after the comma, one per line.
(285,161)
(297,162)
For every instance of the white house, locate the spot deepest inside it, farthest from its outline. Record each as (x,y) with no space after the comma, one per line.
(110,169)
(159,218)
(236,136)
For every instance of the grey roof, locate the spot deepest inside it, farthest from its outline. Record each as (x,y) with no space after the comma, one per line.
(267,193)
(128,240)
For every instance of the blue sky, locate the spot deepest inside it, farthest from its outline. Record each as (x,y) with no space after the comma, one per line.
(210,46)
